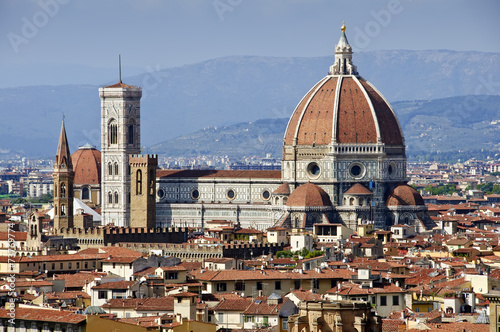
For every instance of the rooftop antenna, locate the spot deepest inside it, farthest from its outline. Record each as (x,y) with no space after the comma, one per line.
(120,66)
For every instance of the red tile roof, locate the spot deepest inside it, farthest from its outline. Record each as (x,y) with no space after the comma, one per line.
(44,315)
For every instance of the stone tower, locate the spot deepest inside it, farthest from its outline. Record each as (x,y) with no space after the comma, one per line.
(63,184)
(35,227)
(120,137)
(142,190)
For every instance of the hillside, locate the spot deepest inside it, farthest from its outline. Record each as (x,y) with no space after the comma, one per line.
(230,90)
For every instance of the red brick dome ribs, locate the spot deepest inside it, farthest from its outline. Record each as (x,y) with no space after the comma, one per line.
(346,108)
(309,194)
(403,195)
(87,165)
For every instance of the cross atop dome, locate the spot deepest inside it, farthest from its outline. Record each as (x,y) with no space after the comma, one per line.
(343,57)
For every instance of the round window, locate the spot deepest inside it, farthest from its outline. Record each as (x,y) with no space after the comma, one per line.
(266,194)
(160,193)
(195,194)
(390,169)
(313,170)
(231,194)
(357,170)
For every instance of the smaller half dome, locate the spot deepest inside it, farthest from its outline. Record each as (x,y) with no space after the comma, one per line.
(309,194)
(358,189)
(404,195)
(284,189)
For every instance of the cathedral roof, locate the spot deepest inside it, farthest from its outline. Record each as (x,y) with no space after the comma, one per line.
(343,108)
(403,195)
(87,165)
(188,173)
(309,194)
(358,189)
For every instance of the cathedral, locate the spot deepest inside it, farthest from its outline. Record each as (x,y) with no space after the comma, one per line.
(343,161)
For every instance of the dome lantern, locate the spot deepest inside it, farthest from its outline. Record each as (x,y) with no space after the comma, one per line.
(343,57)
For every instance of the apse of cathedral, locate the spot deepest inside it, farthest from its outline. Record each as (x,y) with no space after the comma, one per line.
(344,161)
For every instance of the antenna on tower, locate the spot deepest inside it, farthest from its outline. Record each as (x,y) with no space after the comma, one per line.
(120,66)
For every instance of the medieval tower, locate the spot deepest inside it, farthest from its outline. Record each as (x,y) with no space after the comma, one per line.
(63,184)
(143,190)
(120,137)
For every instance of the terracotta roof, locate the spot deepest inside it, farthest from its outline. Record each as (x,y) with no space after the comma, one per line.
(303,295)
(66,295)
(122,85)
(87,166)
(113,251)
(248,231)
(164,173)
(18,236)
(33,283)
(232,304)
(120,259)
(358,189)
(44,315)
(284,189)
(309,194)
(313,121)
(62,257)
(404,195)
(78,279)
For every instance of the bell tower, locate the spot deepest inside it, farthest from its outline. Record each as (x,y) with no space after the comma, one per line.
(120,137)
(63,184)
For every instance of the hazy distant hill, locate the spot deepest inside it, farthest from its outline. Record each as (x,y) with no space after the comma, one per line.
(223,91)
(444,125)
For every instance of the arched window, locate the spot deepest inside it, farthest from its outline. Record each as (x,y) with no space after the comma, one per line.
(112,132)
(63,189)
(116,169)
(63,210)
(110,169)
(130,132)
(361,201)
(351,201)
(85,193)
(151,182)
(138,182)
(110,198)
(116,197)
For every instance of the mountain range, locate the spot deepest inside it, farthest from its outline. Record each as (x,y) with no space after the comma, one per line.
(240,89)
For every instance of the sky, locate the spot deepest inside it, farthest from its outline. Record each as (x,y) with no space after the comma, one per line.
(62,34)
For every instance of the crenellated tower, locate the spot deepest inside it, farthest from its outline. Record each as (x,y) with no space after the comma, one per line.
(120,137)
(143,190)
(63,184)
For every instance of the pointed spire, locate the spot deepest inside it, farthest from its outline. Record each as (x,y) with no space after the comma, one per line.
(63,156)
(343,57)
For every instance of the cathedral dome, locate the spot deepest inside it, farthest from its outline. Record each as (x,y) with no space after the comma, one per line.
(404,195)
(343,108)
(87,165)
(309,194)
